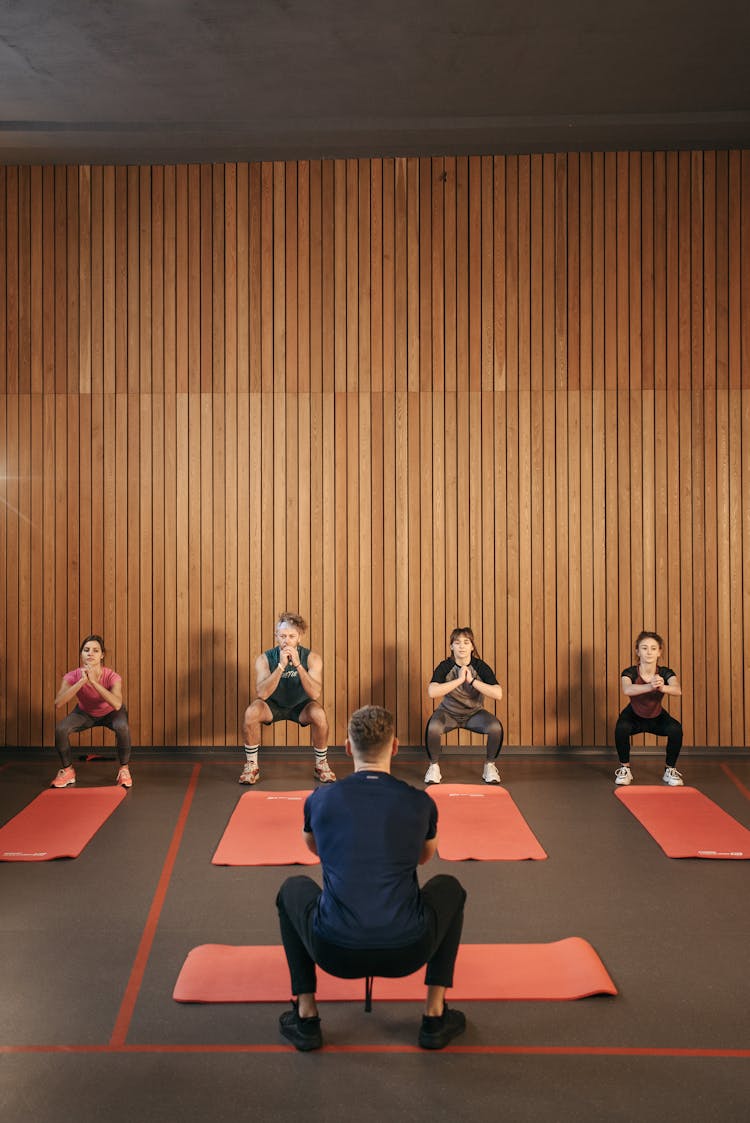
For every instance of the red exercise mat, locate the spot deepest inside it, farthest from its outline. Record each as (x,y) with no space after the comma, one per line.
(481,822)
(686,823)
(559,971)
(57,824)
(265,830)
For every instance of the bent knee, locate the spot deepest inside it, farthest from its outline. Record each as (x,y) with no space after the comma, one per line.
(256,711)
(448,884)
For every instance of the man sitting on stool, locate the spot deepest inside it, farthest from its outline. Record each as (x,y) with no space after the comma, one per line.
(371,832)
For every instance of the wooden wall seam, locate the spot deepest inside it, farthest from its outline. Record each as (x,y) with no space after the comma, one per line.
(396,395)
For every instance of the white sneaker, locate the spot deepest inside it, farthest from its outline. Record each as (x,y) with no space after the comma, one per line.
(323,772)
(490,774)
(672,777)
(433,774)
(623,775)
(250,773)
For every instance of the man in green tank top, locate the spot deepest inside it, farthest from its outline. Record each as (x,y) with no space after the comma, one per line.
(288,686)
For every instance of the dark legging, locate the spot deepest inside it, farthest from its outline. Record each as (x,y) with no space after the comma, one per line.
(443,903)
(480,722)
(78,720)
(629,723)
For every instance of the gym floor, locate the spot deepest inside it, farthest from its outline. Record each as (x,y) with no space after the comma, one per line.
(91,948)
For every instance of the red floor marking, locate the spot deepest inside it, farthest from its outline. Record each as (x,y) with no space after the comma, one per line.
(736,780)
(122,1024)
(476,1050)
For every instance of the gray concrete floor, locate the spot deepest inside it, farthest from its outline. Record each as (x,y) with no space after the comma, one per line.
(79,1041)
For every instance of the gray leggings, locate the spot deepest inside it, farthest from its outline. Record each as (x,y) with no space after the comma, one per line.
(78,720)
(480,722)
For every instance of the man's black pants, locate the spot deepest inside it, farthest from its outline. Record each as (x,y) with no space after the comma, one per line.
(443,903)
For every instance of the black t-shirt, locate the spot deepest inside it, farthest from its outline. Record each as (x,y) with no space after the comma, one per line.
(647,705)
(369,830)
(465,700)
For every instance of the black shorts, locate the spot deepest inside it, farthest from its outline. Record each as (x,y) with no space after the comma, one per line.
(278,713)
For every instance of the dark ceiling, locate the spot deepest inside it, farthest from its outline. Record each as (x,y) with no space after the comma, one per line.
(172,81)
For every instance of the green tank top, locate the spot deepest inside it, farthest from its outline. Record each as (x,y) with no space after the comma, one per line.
(289,692)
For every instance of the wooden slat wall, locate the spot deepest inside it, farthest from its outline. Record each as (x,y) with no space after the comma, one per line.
(395,395)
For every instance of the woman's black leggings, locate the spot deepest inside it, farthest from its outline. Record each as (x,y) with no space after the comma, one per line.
(629,723)
(480,722)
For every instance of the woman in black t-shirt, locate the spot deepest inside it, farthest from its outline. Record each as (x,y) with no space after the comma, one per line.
(461,682)
(644,684)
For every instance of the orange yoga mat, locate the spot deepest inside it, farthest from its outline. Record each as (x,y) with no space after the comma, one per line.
(265,830)
(559,971)
(686,823)
(481,822)
(57,824)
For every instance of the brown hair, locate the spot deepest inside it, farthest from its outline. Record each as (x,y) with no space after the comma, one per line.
(370,728)
(464,632)
(648,635)
(293,620)
(87,639)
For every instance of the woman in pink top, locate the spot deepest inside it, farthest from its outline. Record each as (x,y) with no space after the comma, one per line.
(97,691)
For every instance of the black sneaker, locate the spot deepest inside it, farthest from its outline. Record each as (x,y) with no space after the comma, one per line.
(435,1033)
(304,1033)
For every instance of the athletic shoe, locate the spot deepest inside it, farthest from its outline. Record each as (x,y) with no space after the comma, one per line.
(623,775)
(124,779)
(435,1033)
(324,773)
(490,774)
(64,778)
(433,775)
(304,1033)
(672,777)
(250,774)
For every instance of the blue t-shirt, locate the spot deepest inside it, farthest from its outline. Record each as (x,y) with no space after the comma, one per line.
(370,829)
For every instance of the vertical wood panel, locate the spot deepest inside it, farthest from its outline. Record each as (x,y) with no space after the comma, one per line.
(395,395)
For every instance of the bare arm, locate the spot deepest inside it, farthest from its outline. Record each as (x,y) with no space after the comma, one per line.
(68,691)
(266,681)
(656,683)
(490,690)
(312,678)
(440,689)
(309,838)
(632,688)
(113,696)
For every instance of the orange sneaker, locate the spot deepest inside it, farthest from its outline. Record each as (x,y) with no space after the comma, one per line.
(124,779)
(64,778)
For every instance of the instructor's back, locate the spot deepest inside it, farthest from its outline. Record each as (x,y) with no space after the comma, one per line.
(371,918)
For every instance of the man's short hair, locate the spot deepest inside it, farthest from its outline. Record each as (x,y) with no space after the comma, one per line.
(370,728)
(293,620)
